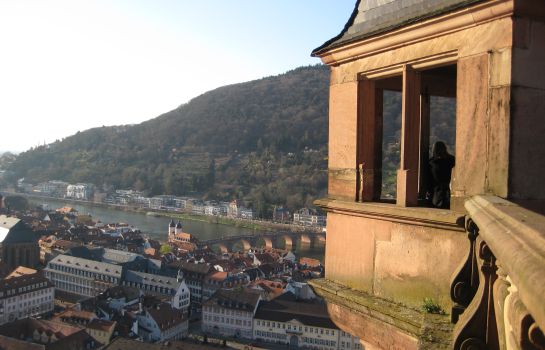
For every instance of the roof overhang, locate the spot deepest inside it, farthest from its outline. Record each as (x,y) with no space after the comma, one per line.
(465,15)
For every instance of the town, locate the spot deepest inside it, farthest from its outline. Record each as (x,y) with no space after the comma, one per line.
(71,281)
(88,192)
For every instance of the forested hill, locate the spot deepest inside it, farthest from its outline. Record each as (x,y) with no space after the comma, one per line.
(263,142)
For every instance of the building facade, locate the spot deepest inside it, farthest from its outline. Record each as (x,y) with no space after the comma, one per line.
(82,276)
(194,275)
(80,191)
(25,296)
(299,324)
(230,313)
(308,217)
(174,289)
(162,322)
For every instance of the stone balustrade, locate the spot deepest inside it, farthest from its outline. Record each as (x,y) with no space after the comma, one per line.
(499,290)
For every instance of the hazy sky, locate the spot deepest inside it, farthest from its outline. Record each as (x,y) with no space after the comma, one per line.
(72,65)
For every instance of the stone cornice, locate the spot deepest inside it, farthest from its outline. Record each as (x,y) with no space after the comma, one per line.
(432,28)
(420,216)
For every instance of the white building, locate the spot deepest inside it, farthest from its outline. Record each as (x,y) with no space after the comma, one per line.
(308,217)
(230,313)
(82,276)
(246,213)
(300,324)
(162,322)
(173,288)
(25,296)
(80,191)
(53,188)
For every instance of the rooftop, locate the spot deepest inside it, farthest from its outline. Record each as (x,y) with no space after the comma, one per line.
(21,271)
(13,230)
(166,316)
(192,267)
(101,325)
(23,284)
(151,279)
(86,265)
(373,17)
(234,299)
(286,308)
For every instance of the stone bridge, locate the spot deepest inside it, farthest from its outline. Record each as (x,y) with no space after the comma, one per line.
(265,239)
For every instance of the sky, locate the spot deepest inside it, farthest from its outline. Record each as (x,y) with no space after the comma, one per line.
(67,66)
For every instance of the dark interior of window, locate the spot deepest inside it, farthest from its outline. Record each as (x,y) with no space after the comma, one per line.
(390,91)
(438,121)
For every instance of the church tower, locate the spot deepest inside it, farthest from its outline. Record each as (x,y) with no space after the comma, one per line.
(171,228)
(178,228)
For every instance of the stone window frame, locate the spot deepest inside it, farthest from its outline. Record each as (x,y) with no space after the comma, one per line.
(369,106)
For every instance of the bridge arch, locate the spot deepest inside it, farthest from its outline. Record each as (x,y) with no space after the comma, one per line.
(223,248)
(305,238)
(267,242)
(246,245)
(288,241)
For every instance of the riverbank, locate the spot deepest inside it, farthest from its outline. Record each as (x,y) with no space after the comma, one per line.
(155,225)
(258,225)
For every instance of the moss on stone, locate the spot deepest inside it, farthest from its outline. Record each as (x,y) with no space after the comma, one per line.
(432,331)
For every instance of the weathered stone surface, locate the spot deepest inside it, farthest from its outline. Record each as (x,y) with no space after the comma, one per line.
(527,167)
(342,183)
(423,264)
(342,125)
(521,254)
(471,126)
(528,114)
(406,254)
(380,323)
(350,264)
(498,141)
(529,54)
(425,256)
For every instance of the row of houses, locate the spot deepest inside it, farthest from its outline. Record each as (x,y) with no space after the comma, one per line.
(233,209)
(59,189)
(89,277)
(287,319)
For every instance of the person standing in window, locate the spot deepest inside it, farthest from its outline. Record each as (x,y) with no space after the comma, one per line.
(441,165)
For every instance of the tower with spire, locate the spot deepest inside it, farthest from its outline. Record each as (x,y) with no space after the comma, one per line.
(171,229)
(178,228)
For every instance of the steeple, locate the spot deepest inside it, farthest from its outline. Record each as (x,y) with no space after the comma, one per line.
(171,227)
(178,227)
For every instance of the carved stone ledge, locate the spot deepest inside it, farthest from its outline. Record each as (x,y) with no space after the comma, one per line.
(428,217)
(380,323)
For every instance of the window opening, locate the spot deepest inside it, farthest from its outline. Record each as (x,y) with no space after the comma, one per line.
(400,118)
(391,137)
(438,124)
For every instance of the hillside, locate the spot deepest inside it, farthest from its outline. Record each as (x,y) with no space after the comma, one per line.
(262,141)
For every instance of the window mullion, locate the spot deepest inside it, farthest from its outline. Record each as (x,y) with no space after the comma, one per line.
(407,175)
(369,142)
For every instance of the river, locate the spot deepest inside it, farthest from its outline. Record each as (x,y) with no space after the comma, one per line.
(157,227)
